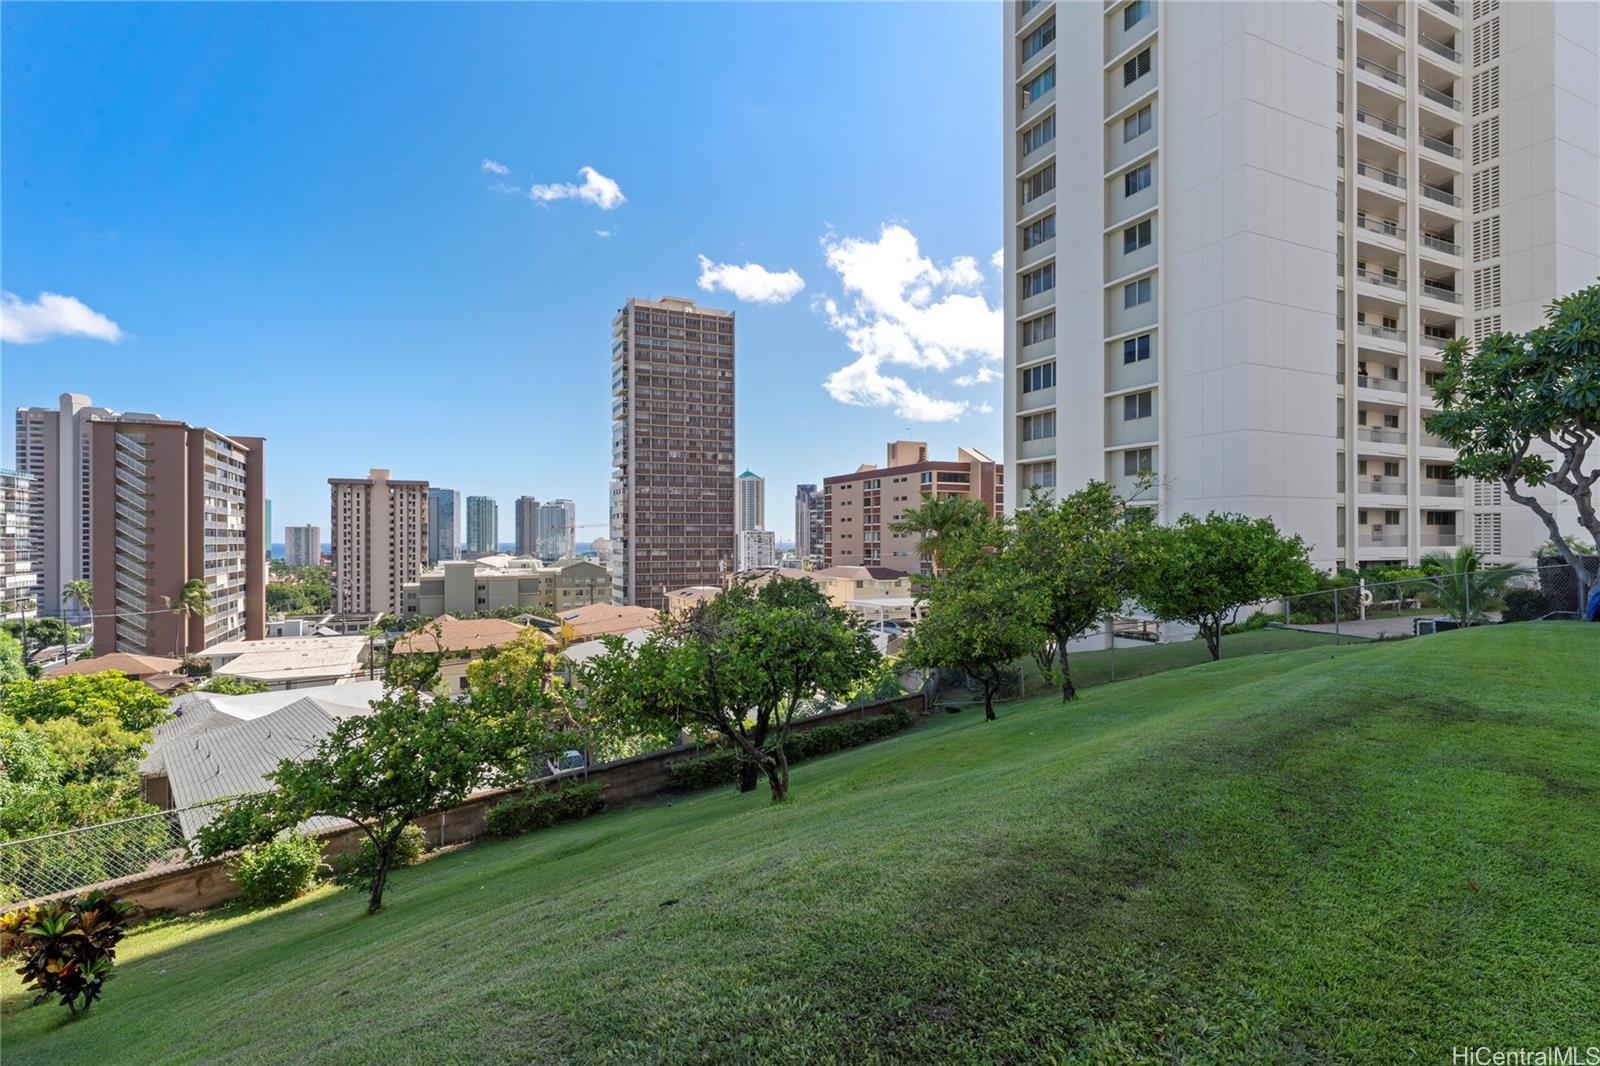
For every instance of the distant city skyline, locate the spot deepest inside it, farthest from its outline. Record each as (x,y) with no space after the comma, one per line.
(384,248)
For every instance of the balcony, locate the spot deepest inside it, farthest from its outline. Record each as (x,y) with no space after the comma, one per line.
(1438,48)
(1389,537)
(1378,70)
(1380,435)
(1433,144)
(1378,174)
(1379,18)
(1447,5)
(1367,381)
(1443,99)
(1431,341)
(1386,281)
(1442,488)
(1036,400)
(1439,292)
(1381,486)
(1393,129)
(1442,539)
(1381,226)
(1036,449)
(1433,440)
(1387,333)
(1443,196)
(1439,244)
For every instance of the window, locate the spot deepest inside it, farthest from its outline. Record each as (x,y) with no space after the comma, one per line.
(1039,475)
(1137,405)
(1042,83)
(1035,282)
(1039,231)
(1039,377)
(1133,294)
(1439,518)
(1133,69)
(1134,13)
(1391,469)
(1136,123)
(1039,134)
(1035,41)
(1391,518)
(1133,181)
(1138,461)
(1135,237)
(1036,185)
(1136,349)
(1439,472)
(1039,329)
(1040,426)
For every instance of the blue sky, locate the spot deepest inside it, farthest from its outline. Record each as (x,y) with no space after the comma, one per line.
(303,193)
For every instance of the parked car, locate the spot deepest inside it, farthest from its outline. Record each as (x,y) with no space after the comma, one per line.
(888,628)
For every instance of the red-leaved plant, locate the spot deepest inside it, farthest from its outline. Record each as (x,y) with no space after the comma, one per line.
(68,946)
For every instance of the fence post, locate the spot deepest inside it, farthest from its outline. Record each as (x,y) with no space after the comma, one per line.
(1466,599)
(1336,637)
(1361,597)
(1113,624)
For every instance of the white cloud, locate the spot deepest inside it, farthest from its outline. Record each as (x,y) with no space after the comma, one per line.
(603,234)
(489,166)
(596,189)
(52,316)
(900,307)
(752,282)
(998,259)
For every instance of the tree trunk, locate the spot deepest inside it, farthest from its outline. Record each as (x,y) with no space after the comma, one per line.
(778,774)
(1212,631)
(381,877)
(1068,689)
(989,688)
(749,774)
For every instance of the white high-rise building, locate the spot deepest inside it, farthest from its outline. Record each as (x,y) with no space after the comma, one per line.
(557,527)
(749,514)
(1238,234)
(379,541)
(53,448)
(758,548)
(18,585)
(302,545)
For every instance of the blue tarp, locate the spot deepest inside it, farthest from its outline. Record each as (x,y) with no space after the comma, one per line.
(1591,610)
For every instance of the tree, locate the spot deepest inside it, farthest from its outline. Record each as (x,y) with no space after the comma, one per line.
(80,592)
(411,756)
(1203,570)
(1465,586)
(193,601)
(86,698)
(38,635)
(1078,558)
(939,519)
(971,618)
(1521,400)
(516,688)
(740,665)
(12,668)
(228,685)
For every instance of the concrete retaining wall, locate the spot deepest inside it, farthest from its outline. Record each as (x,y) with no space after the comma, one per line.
(198,885)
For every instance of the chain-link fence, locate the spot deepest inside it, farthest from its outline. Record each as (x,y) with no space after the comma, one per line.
(74,858)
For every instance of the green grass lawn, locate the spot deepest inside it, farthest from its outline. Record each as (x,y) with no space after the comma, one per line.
(1372,852)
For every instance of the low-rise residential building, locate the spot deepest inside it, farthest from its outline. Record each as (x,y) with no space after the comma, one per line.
(291,662)
(138,667)
(681,601)
(479,586)
(860,509)
(877,593)
(462,641)
(605,619)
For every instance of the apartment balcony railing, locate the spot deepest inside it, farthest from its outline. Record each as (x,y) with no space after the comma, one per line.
(127,562)
(139,536)
(1378,69)
(1439,244)
(1433,440)
(1448,6)
(1431,341)
(1443,488)
(1442,147)
(1388,333)
(1388,538)
(1439,292)
(1368,381)
(129,444)
(1380,435)
(1382,226)
(1381,486)
(1441,540)
(1381,19)
(1378,121)
(1438,47)
(1372,277)
(1442,98)
(1441,195)
(1388,177)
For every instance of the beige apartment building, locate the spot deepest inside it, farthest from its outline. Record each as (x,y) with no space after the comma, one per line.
(477,586)
(859,509)
(18,583)
(379,539)
(1239,234)
(672,490)
(172,503)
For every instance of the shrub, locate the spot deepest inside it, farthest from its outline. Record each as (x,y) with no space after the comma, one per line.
(721,767)
(538,808)
(1259,620)
(278,870)
(69,946)
(358,867)
(1523,605)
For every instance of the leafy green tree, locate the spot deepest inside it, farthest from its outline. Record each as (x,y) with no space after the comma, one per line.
(227,685)
(1203,570)
(39,635)
(193,601)
(79,591)
(1464,585)
(12,668)
(1524,409)
(939,519)
(1077,560)
(516,689)
(972,619)
(741,665)
(87,698)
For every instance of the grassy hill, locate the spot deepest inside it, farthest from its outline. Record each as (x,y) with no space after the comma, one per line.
(1364,853)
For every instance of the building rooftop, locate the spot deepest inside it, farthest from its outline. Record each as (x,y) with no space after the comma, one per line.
(289,658)
(861,573)
(605,619)
(136,666)
(588,649)
(451,634)
(697,592)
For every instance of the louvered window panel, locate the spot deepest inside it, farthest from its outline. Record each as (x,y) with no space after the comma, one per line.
(1484,326)
(1486,238)
(1486,533)
(1485,8)
(1486,287)
(1485,91)
(1486,190)
(1486,140)
(1486,43)
(1487,494)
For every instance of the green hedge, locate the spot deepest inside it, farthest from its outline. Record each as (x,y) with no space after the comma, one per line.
(721,767)
(539,808)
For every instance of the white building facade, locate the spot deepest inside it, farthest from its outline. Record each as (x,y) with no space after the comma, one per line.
(557,528)
(302,545)
(1238,235)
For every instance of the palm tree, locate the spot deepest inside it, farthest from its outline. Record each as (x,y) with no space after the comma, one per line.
(80,590)
(194,599)
(1463,584)
(939,518)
